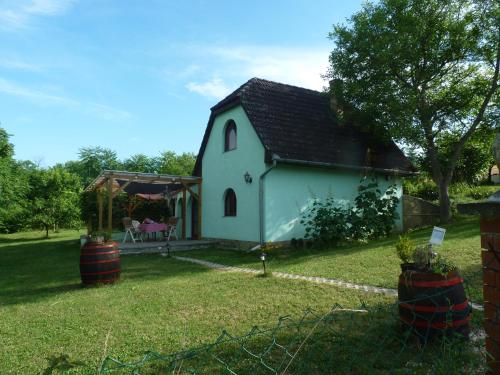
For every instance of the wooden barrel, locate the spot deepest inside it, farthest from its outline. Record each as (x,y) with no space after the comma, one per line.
(431,304)
(99,263)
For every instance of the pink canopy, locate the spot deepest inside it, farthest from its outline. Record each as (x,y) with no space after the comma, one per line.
(151,197)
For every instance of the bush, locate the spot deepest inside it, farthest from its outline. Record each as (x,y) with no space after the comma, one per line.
(421,187)
(372,216)
(465,192)
(405,248)
(325,222)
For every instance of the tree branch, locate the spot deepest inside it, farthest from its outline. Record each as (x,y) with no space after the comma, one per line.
(479,116)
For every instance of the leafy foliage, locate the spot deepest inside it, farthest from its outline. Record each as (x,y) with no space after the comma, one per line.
(325,222)
(374,213)
(425,72)
(371,216)
(54,199)
(404,249)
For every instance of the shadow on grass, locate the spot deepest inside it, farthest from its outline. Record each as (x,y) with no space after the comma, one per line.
(340,342)
(6,240)
(30,272)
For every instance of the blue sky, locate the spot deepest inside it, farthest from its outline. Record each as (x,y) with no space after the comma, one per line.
(140,76)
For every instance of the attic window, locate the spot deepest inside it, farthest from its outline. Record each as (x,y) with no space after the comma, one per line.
(230,136)
(229,203)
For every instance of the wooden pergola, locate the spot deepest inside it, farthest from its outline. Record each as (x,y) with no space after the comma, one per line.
(107,181)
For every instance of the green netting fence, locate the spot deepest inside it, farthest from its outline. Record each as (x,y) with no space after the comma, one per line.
(366,340)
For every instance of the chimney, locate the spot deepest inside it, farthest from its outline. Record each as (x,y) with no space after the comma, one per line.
(336,102)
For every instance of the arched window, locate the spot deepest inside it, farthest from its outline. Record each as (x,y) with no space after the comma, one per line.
(229,203)
(230,136)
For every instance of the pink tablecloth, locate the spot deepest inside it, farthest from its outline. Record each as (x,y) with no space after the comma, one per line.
(156,227)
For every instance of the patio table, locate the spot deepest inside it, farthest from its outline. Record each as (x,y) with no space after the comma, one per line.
(153,228)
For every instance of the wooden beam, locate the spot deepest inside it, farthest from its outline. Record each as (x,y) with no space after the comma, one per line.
(193,194)
(121,188)
(184,203)
(199,211)
(110,204)
(101,208)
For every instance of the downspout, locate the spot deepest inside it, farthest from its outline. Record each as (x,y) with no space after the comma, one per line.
(261,201)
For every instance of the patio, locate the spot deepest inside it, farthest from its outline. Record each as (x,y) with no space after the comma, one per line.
(153,186)
(152,247)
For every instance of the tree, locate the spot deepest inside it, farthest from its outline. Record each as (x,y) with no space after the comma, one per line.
(13,187)
(181,165)
(54,198)
(422,71)
(474,163)
(141,163)
(92,161)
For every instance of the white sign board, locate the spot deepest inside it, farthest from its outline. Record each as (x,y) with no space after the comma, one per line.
(437,236)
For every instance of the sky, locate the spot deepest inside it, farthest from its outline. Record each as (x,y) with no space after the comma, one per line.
(140,76)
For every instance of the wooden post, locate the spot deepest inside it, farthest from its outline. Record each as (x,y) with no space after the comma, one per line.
(110,204)
(101,209)
(199,211)
(184,203)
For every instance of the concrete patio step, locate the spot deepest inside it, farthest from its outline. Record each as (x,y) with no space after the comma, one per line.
(152,247)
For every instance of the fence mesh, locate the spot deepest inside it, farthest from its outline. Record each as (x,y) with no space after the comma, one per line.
(367,340)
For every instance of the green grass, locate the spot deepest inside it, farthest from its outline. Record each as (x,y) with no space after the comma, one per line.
(374,263)
(161,304)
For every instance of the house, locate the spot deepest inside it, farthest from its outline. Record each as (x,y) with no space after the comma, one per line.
(268,149)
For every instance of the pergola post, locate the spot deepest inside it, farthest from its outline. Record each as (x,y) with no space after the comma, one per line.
(199,211)
(101,208)
(110,204)
(184,203)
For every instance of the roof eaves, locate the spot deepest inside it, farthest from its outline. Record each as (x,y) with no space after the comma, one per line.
(395,172)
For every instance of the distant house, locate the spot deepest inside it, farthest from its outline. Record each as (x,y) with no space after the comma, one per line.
(268,149)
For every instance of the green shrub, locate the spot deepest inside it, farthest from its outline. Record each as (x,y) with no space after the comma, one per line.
(404,249)
(374,213)
(421,187)
(325,222)
(372,216)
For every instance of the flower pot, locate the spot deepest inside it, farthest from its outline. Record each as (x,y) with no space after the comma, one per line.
(431,304)
(407,267)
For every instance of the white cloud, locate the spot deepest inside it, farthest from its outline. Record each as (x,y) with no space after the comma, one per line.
(20,14)
(214,88)
(294,65)
(46,99)
(15,64)
(233,65)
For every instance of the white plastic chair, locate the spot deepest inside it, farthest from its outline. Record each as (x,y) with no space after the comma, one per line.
(132,229)
(171,228)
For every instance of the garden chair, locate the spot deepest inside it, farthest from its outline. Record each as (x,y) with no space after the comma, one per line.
(132,229)
(171,228)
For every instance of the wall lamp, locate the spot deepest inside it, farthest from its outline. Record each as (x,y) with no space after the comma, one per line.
(248,178)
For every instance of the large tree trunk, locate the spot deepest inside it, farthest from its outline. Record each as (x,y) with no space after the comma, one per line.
(46,231)
(444,202)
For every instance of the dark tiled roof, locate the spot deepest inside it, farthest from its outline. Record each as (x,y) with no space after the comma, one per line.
(296,124)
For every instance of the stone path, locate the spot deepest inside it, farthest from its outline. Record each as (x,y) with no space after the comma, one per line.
(314,279)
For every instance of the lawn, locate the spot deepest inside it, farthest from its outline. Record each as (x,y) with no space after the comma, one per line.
(161,304)
(374,263)
(166,305)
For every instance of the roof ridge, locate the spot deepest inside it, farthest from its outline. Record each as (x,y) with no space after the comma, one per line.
(284,84)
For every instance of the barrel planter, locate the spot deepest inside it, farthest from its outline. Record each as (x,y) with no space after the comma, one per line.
(431,304)
(99,263)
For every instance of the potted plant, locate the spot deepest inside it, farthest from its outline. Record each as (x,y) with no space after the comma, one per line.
(431,294)
(100,236)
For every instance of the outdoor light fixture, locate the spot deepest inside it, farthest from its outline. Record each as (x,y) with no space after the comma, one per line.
(248,178)
(263,259)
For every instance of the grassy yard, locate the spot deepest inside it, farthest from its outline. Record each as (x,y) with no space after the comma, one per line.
(375,263)
(161,304)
